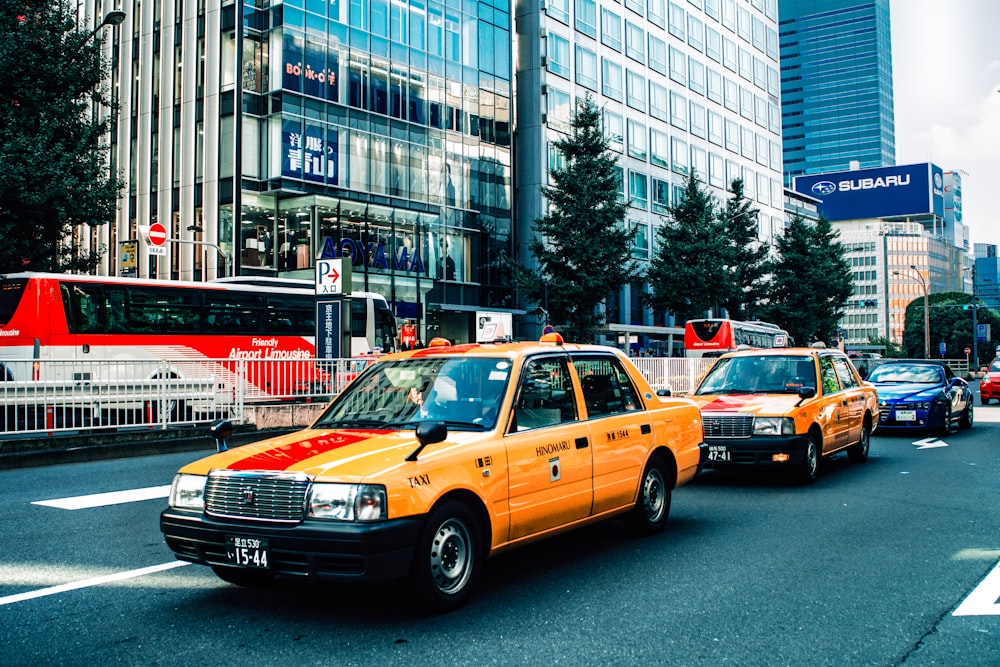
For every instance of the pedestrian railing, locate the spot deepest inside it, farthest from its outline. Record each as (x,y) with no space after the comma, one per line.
(68,396)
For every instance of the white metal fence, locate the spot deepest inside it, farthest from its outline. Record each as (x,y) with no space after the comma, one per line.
(52,397)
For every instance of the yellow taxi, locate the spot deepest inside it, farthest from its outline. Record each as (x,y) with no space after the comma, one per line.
(787,407)
(432,460)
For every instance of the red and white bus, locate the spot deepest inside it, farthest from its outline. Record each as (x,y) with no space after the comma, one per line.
(94,318)
(714,337)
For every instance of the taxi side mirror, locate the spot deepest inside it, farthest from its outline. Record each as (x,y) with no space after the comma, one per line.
(427,434)
(221,429)
(807,392)
(666,393)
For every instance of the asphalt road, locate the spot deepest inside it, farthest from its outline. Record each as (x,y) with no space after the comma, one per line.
(883,563)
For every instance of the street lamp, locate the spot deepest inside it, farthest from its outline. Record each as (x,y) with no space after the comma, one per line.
(222,251)
(112,18)
(927,310)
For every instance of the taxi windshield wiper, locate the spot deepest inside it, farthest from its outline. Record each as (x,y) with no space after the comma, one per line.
(352,423)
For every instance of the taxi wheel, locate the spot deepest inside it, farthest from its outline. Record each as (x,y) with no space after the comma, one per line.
(448,558)
(859,453)
(239,576)
(652,507)
(809,471)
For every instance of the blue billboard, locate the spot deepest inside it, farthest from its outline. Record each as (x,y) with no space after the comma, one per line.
(914,189)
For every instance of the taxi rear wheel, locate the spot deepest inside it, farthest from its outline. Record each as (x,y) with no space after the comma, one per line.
(449,557)
(859,453)
(652,507)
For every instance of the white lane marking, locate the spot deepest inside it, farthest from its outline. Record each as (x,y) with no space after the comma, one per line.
(86,583)
(983,600)
(930,443)
(102,499)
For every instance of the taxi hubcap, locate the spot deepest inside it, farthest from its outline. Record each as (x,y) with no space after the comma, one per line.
(451,556)
(653,495)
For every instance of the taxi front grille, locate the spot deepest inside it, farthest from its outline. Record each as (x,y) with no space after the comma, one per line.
(727,426)
(269,496)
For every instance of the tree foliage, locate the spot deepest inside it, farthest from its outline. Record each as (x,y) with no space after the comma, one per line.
(810,281)
(688,274)
(582,248)
(746,254)
(951,323)
(54,172)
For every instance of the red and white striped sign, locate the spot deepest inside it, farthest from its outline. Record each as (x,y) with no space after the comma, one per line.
(157,234)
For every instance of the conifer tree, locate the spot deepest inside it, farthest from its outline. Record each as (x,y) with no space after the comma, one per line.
(746,257)
(810,282)
(582,248)
(688,274)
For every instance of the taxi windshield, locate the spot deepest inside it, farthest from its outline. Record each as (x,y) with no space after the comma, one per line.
(759,375)
(463,392)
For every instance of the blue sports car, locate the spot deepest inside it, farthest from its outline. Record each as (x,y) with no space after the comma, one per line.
(921,394)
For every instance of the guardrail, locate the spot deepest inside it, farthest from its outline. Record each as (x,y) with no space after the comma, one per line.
(62,396)
(67,396)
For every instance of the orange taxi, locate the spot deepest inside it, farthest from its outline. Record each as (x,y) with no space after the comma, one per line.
(785,407)
(432,460)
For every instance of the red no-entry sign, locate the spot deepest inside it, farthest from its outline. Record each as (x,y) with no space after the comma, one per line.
(157,234)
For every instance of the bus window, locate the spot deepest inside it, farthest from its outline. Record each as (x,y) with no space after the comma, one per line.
(11,292)
(359,317)
(82,304)
(233,312)
(385,326)
(289,315)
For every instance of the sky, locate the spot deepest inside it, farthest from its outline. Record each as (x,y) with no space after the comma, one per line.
(946,94)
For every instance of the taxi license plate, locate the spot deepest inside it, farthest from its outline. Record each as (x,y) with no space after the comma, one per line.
(247,551)
(906,415)
(718,453)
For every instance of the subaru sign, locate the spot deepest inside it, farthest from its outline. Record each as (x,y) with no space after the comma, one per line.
(916,189)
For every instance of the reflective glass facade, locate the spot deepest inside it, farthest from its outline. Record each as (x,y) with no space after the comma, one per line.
(836,85)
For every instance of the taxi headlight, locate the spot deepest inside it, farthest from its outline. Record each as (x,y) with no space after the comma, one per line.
(347,502)
(774,426)
(188,492)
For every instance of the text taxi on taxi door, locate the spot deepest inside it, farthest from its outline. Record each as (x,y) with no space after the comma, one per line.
(785,407)
(434,459)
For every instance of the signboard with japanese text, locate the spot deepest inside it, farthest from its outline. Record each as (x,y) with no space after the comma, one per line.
(310,154)
(128,259)
(329,329)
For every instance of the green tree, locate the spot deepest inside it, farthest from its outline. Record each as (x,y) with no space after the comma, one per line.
(746,254)
(582,248)
(54,172)
(950,323)
(688,274)
(810,281)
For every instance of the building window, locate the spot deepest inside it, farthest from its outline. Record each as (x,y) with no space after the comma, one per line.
(659,150)
(678,66)
(656,12)
(699,162)
(557,9)
(640,238)
(557,161)
(696,76)
(716,175)
(715,127)
(678,111)
(661,196)
(586,17)
(636,139)
(714,85)
(732,136)
(658,102)
(635,90)
(611,29)
(558,56)
(699,126)
(559,114)
(586,68)
(696,32)
(713,44)
(635,42)
(657,54)
(614,130)
(612,79)
(637,189)
(675,16)
(678,155)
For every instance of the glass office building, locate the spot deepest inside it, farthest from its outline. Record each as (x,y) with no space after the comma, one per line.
(682,85)
(836,85)
(264,135)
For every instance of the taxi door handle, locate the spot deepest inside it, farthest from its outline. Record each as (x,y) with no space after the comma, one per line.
(582,443)
(646,429)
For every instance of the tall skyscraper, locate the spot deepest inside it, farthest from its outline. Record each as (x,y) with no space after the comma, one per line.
(836,85)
